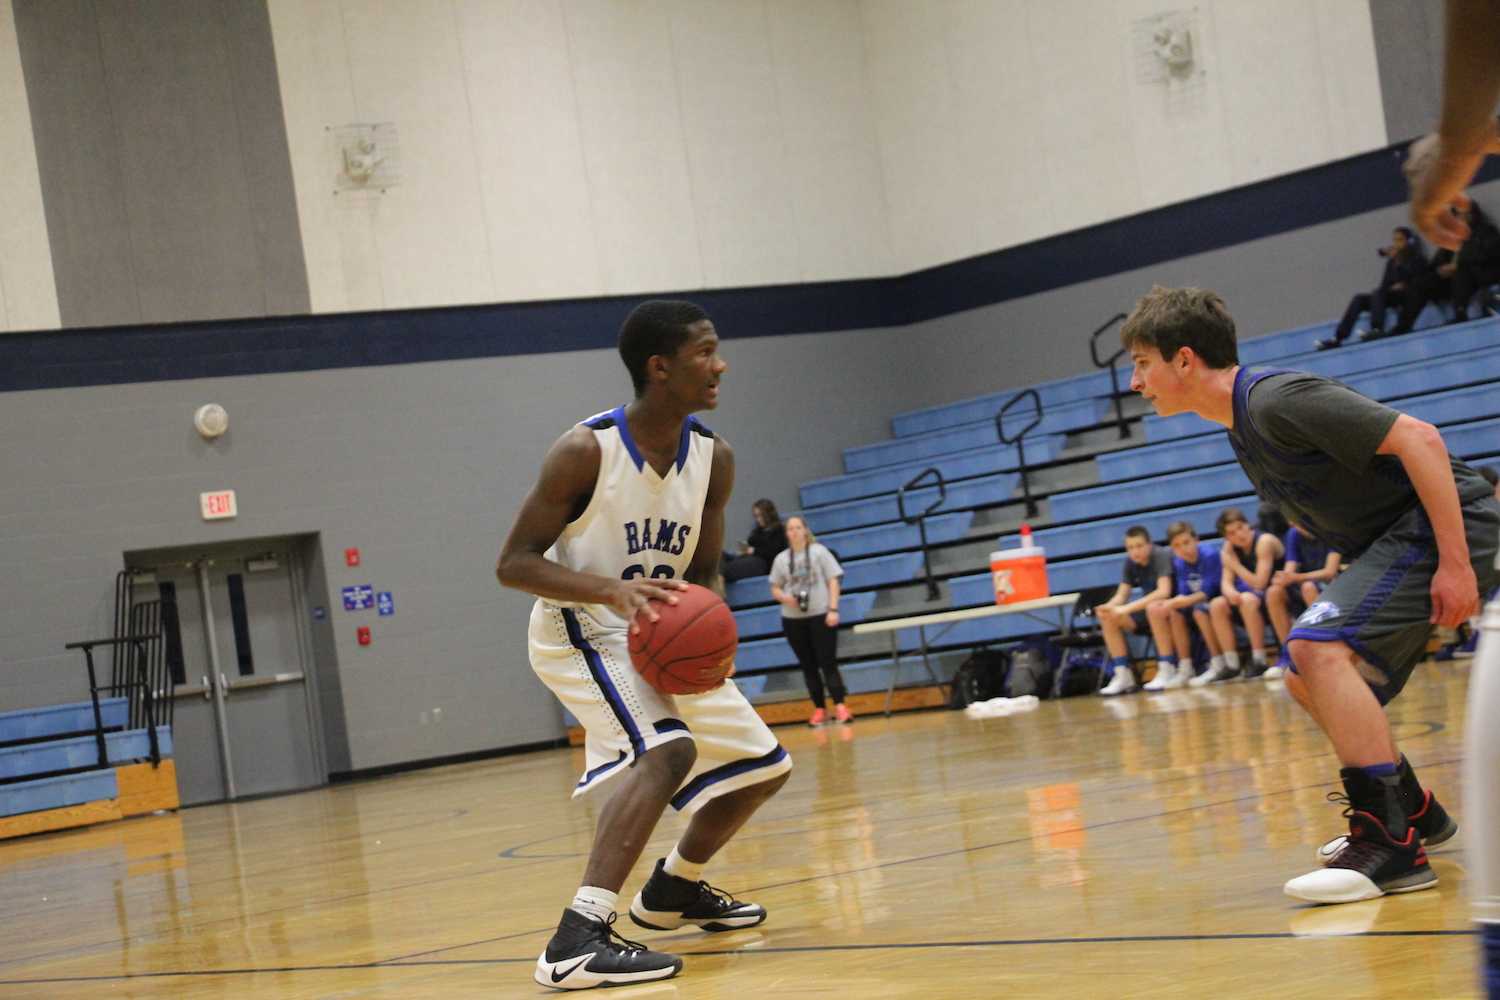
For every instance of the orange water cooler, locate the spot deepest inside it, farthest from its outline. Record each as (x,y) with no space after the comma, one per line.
(1020,574)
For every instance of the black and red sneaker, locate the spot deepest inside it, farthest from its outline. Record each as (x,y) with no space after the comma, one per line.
(667,902)
(1383,854)
(1432,822)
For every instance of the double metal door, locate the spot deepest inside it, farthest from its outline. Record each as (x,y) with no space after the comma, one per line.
(245,719)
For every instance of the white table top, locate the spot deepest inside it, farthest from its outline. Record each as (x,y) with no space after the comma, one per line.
(940,617)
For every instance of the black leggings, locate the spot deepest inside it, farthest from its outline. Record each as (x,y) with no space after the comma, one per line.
(816,646)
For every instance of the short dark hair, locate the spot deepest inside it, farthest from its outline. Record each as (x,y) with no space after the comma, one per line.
(1230,516)
(767,507)
(1179,528)
(658,326)
(1170,319)
(1137,531)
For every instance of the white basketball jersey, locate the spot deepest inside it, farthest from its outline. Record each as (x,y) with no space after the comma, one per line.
(638,523)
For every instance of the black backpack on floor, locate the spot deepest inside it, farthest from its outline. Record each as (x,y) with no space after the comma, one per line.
(979,678)
(1032,664)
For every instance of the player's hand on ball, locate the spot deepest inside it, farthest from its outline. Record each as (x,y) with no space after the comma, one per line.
(632,598)
(1455,594)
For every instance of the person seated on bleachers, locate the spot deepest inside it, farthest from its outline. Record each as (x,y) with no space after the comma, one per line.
(757,552)
(1148,569)
(1477,265)
(1309,566)
(1197,572)
(1434,284)
(1404,258)
(1249,557)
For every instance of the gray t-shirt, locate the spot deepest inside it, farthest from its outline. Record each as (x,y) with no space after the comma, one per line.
(1158,565)
(809,570)
(1309,443)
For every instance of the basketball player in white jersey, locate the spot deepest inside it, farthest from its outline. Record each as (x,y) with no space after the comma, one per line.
(1438,168)
(629,504)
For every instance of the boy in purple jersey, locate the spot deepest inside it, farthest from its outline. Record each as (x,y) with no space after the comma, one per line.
(1377,485)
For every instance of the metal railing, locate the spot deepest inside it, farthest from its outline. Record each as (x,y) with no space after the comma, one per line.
(920,520)
(132,682)
(1019,440)
(1114,378)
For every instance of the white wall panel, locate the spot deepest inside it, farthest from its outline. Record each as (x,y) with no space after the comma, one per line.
(833,173)
(634,149)
(407,68)
(531,166)
(736,147)
(28,291)
(343,271)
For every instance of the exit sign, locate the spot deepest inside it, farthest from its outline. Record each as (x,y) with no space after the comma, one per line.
(218,505)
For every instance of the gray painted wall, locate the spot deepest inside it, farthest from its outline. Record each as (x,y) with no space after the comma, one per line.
(162,150)
(1409,55)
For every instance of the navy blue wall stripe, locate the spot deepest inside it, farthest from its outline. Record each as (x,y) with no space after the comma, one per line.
(112,355)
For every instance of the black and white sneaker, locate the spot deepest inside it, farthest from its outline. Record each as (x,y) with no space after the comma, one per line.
(667,902)
(1384,852)
(585,953)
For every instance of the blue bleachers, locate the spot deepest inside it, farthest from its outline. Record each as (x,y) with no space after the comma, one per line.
(54,720)
(1057,393)
(859,542)
(80,752)
(766,620)
(981,492)
(54,793)
(1145,494)
(976,461)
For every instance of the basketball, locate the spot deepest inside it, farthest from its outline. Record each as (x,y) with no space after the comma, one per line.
(690,648)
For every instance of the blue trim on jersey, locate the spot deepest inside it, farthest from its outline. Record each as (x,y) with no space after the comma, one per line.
(684,443)
(589,776)
(699,784)
(618,415)
(671,726)
(601,677)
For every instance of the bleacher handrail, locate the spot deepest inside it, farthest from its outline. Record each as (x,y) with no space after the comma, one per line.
(1109,362)
(1020,440)
(148,703)
(920,520)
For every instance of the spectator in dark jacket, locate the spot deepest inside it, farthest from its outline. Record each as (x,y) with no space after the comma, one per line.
(1432,285)
(1478,263)
(1404,259)
(757,552)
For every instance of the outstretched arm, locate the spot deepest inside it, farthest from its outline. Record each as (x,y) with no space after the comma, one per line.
(1442,165)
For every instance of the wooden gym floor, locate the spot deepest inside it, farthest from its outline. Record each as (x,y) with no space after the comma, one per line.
(1132,848)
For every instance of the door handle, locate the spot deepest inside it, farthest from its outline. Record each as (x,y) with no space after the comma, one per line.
(208,690)
(224,685)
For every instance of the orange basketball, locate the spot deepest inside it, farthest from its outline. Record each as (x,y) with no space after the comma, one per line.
(690,648)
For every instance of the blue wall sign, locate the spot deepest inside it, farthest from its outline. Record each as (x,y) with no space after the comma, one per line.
(385,602)
(359,597)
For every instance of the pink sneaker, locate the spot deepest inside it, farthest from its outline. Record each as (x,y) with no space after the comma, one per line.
(842,714)
(818,718)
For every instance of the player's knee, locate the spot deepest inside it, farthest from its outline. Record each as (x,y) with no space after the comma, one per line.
(1219,605)
(677,757)
(1297,689)
(1158,612)
(1312,657)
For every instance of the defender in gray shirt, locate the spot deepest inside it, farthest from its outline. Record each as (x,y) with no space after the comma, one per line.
(1379,486)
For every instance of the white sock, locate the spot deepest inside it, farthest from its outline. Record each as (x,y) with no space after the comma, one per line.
(1232,660)
(1258,656)
(594,902)
(1216,663)
(680,867)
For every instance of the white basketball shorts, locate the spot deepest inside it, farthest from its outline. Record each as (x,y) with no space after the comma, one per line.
(587,665)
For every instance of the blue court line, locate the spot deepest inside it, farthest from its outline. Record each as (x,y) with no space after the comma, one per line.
(749,952)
